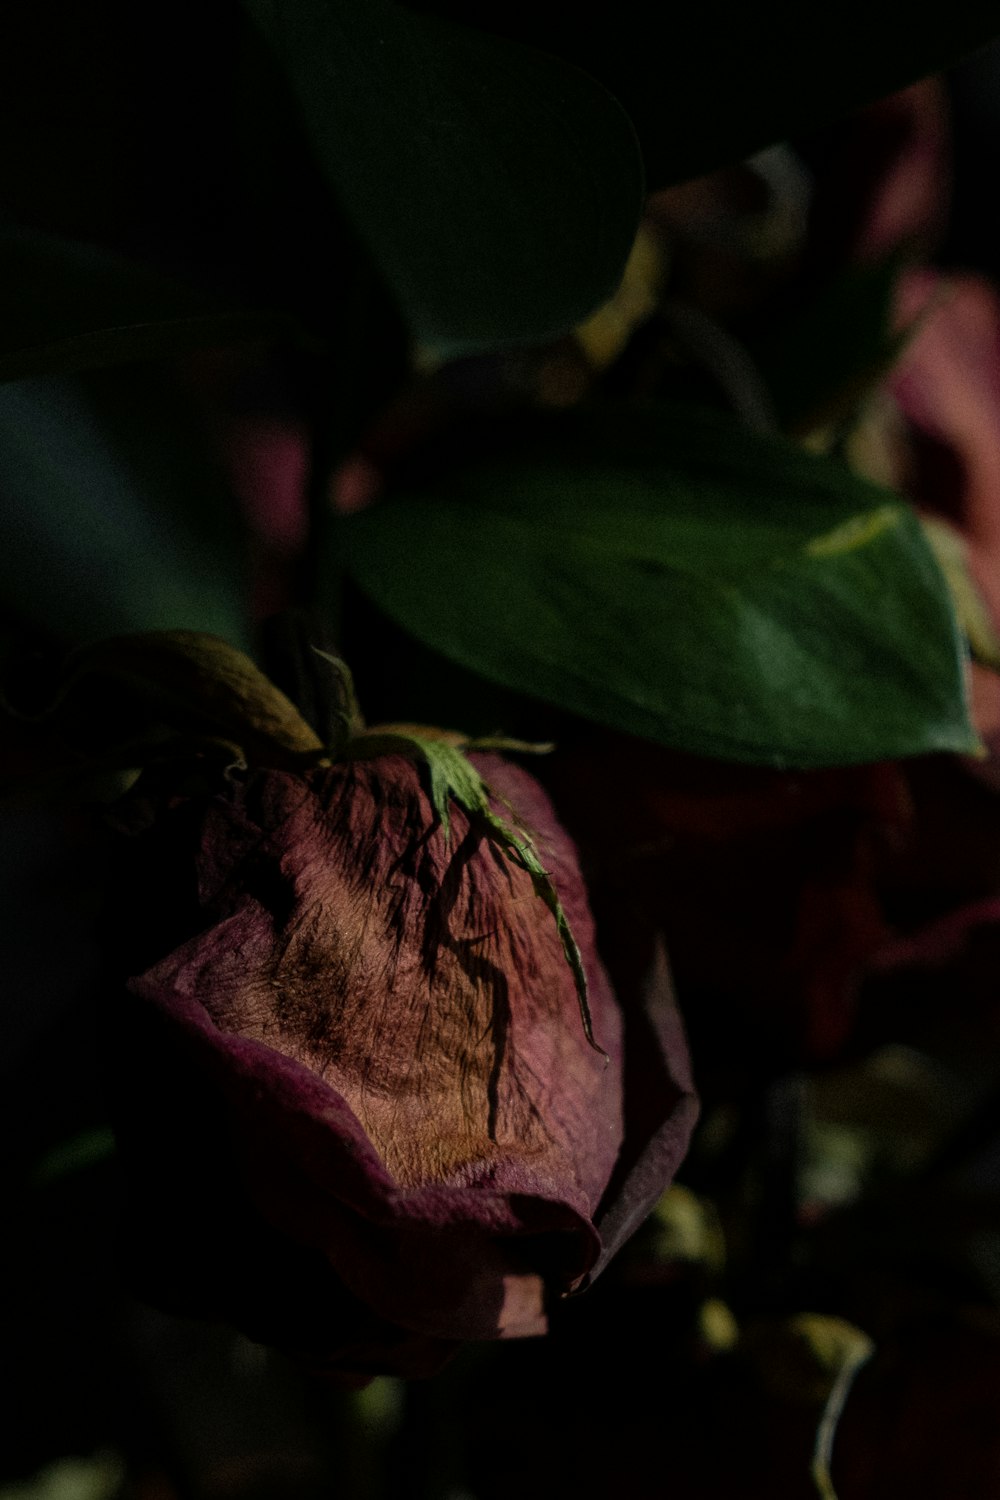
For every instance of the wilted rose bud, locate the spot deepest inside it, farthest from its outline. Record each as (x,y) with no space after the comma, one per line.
(359,1110)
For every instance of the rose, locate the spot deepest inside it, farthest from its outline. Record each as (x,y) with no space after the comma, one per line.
(357,1107)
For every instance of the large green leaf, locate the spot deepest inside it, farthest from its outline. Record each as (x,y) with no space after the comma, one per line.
(709,83)
(67,307)
(113,520)
(676,576)
(498,189)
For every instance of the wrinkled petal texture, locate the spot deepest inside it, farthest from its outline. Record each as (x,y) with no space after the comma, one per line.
(395,1029)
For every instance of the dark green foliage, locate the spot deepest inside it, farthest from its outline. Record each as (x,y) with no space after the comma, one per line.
(499,190)
(66,307)
(114,519)
(708,84)
(671,574)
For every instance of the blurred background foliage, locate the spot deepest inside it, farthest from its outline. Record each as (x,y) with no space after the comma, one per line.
(595,379)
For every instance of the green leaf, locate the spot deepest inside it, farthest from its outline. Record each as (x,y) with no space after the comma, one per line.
(115,521)
(668,573)
(498,189)
(67,307)
(708,84)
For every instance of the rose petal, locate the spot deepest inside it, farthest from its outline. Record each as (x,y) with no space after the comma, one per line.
(396,1033)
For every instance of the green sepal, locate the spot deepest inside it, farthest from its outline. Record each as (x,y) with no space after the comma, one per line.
(453,778)
(345,713)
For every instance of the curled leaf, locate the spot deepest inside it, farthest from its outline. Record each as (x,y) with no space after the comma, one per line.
(810,1360)
(846,1350)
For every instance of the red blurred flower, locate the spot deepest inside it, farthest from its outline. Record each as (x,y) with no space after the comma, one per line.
(762,882)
